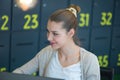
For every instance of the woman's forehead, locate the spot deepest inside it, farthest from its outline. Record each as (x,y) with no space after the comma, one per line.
(55,25)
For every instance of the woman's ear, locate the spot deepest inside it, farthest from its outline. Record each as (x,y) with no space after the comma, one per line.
(71,32)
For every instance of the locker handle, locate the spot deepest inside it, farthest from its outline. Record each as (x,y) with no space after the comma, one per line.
(118,36)
(25,44)
(1,45)
(100,38)
(113,48)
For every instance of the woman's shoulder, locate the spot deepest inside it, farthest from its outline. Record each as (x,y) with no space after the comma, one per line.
(46,51)
(88,57)
(48,48)
(86,53)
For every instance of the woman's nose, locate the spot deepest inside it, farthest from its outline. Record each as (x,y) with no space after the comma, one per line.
(49,36)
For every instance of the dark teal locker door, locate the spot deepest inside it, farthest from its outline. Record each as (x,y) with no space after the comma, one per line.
(117,13)
(5,5)
(5,14)
(48,7)
(102,12)
(100,44)
(4,51)
(84,21)
(24,47)
(83,35)
(84,17)
(43,39)
(86,5)
(115,51)
(25,20)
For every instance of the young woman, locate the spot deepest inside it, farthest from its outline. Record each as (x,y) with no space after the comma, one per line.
(63,58)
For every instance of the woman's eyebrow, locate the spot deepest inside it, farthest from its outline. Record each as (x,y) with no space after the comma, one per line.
(50,31)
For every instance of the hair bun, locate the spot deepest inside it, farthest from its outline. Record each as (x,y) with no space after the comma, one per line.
(76,7)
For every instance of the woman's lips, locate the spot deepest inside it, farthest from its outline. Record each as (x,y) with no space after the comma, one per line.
(52,43)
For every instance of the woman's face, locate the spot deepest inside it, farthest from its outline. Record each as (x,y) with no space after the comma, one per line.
(57,35)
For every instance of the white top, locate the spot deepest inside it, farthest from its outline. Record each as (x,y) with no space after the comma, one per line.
(55,70)
(89,65)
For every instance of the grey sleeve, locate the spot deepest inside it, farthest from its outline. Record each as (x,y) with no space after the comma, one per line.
(28,68)
(93,68)
(38,63)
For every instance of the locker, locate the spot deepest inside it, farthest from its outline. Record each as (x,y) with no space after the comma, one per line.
(84,17)
(116,38)
(84,21)
(83,35)
(102,12)
(115,51)
(48,7)
(100,44)
(4,50)
(117,13)
(100,39)
(25,20)
(24,47)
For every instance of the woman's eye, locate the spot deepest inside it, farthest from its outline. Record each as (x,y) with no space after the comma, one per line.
(55,34)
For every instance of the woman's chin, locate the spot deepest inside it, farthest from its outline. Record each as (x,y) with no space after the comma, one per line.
(54,47)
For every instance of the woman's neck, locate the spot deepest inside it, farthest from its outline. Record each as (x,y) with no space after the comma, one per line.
(69,55)
(69,50)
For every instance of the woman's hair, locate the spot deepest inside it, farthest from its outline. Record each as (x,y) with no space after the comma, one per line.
(69,17)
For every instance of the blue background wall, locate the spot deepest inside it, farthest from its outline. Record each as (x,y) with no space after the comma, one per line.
(23,33)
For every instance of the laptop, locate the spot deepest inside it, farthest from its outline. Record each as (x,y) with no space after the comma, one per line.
(14,76)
